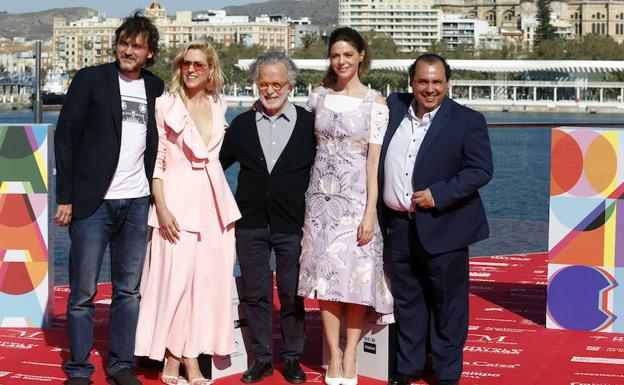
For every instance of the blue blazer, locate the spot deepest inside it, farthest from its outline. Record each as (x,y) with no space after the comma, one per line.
(454,161)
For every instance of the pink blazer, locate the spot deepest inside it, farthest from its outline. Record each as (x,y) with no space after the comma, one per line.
(192,175)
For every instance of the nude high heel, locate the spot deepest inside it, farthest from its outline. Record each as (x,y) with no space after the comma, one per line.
(196,380)
(167,378)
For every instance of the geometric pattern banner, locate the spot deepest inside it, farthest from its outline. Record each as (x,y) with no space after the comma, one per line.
(586,230)
(25,271)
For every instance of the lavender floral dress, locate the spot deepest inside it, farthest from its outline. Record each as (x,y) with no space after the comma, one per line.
(333,266)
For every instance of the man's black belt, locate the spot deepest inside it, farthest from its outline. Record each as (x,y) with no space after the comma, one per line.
(400,214)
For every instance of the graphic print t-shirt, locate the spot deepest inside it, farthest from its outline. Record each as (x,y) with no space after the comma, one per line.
(129,180)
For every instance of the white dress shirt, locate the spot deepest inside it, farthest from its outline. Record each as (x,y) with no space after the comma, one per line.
(401,157)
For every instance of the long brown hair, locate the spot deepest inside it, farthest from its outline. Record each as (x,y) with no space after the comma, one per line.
(351,36)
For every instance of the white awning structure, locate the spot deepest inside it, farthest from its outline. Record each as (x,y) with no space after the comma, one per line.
(493,66)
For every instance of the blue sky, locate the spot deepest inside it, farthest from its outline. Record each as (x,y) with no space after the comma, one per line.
(117,8)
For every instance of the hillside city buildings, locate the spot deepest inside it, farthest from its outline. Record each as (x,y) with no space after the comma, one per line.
(416,24)
(89,41)
(413,24)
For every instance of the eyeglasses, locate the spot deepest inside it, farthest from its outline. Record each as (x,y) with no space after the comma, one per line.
(263,85)
(197,66)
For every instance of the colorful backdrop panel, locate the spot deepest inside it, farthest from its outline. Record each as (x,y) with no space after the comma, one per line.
(25,271)
(586,230)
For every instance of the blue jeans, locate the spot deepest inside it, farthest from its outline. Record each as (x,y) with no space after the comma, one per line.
(122,224)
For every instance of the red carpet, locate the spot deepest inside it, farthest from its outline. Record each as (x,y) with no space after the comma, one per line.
(507,345)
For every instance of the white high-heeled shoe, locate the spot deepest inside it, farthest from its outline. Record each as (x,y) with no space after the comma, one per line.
(333,380)
(351,381)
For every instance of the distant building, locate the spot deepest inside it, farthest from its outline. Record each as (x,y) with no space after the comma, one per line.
(219,17)
(463,30)
(498,13)
(598,17)
(412,24)
(16,58)
(90,41)
(82,43)
(571,18)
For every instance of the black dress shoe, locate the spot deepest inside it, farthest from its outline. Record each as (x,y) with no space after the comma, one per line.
(402,379)
(292,372)
(448,382)
(78,381)
(124,376)
(257,371)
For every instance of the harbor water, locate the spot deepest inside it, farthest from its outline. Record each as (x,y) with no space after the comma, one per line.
(516,199)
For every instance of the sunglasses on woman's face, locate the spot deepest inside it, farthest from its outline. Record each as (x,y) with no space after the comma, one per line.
(197,66)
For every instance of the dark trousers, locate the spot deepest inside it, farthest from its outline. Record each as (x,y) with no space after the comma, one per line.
(431,299)
(120,224)
(253,247)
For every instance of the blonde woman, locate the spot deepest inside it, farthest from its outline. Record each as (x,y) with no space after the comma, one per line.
(186,307)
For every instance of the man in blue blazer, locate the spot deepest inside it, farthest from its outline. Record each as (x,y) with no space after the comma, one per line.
(435,156)
(105,146)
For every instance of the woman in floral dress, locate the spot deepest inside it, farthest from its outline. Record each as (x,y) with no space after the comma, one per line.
(341,260)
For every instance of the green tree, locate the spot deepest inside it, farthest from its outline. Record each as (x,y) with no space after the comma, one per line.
(595,47)
(379,79)
(588,47)
(462,51)
(545,30)
(162,66)
(229,58)
(382,46)
(312,47)
(553,49)
(439,47)
(508,51)
(312,77)
(229,55)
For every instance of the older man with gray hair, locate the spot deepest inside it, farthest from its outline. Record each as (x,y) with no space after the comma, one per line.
(275,147)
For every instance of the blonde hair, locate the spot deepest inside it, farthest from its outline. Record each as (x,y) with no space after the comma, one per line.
(215,84)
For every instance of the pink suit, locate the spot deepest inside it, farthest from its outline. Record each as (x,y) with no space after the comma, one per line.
(185,288)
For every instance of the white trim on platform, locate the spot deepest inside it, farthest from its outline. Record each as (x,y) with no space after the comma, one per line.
(494,66)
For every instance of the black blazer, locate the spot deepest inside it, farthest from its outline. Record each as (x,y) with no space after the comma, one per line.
(88,136)
(276,199)
(454,161)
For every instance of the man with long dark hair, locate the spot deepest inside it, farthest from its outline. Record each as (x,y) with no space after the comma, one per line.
(105,147)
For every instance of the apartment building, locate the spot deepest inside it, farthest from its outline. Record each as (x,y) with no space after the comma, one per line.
(16,58)
(464,30)
(90,41)
(82,43)
(413,24)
